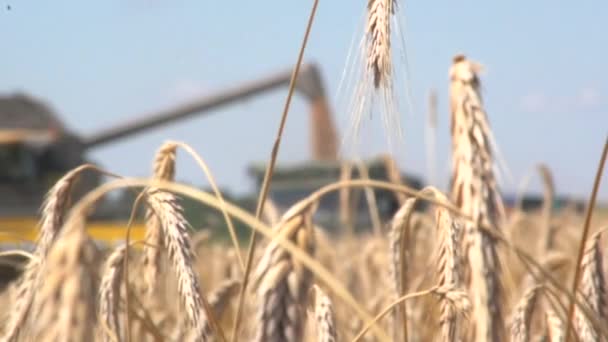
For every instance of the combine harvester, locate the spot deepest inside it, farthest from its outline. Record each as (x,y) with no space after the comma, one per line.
(36,149)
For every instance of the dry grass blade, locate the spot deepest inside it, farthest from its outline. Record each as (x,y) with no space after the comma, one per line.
(520,322)
(283,282)
(474,190)
(593,289)
(109,292)
(65,307)
(164,169)
(177,243)
(378,30)
(324,316)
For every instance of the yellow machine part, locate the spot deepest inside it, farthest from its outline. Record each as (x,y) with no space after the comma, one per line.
(17,230)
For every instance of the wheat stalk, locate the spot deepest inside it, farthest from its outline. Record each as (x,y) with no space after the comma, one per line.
(520,322)
(593,289)
(270,169)
(324,316)
(271,213)
(65,308)
(394,175)
(282,282)
(474,190)
(109,292)
(378,32)
(164,169)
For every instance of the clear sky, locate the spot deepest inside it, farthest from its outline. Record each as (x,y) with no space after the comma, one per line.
(97,63)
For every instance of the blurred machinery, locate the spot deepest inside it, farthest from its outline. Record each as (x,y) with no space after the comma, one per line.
(36,149)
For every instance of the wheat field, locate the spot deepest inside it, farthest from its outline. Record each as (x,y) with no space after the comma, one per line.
(75,291)
(466,268)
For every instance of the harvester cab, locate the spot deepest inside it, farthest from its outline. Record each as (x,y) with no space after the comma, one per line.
(35,150)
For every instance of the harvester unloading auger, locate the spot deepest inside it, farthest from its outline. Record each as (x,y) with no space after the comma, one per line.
(309,84)
(36,149)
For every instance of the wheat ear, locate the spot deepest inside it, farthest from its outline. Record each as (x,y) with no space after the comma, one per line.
(324,316)
(283,283)
(448,269)
(65,307)
(177,244)
(398,237)
(378,32)
(109,292)
(459,300)
(475,191)
(593,289)
(555,327)
(520,322)
(164,169)
(53,210)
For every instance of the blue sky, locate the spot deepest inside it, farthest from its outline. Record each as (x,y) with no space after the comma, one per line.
(546,80)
